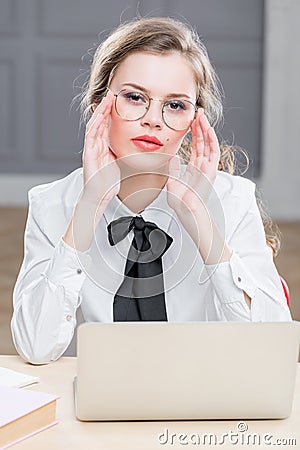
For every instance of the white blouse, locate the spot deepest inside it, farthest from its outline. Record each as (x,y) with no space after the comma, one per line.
(55,279)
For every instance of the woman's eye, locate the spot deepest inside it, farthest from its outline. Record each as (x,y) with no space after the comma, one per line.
(134,97)
(175,105)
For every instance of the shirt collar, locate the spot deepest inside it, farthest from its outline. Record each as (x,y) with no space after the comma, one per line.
(157,211)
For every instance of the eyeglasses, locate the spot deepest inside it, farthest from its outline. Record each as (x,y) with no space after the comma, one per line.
(177,113)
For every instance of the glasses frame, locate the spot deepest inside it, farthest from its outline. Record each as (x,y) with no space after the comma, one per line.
(164,102)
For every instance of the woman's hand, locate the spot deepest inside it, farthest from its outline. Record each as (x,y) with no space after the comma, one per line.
(188,194)
(101,173)
(101,178)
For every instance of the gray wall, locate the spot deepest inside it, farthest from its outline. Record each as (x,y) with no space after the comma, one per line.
(41,47)
(42,43)
(280,170)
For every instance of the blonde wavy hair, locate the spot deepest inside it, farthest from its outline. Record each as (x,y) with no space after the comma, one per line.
(162,35)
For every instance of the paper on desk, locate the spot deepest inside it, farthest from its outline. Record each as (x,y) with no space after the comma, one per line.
(12,378)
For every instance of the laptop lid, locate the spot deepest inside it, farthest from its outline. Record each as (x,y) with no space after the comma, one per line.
(173,371)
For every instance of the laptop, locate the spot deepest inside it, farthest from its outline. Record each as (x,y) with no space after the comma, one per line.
(180,371)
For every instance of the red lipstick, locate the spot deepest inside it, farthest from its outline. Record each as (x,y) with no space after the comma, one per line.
(147,142)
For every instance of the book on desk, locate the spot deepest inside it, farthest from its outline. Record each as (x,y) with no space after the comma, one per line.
(13,378)
(24,413)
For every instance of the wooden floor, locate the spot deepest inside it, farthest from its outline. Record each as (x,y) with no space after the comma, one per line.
(12,223)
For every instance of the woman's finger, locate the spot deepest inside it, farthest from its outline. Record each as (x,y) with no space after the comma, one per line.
(96,132)
(103,108)
(90,124)
(205,126)
(103,126)
(106,132)
(92,142)
(197,137)
(102,137)
(215,148)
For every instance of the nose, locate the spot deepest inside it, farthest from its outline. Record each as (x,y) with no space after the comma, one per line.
(153,117)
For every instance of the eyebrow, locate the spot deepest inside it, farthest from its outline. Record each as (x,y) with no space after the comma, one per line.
(171,95)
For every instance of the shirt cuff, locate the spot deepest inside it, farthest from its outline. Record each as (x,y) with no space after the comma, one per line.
(230,279)
(68,267)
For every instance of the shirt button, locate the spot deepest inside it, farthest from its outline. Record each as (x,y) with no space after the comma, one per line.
(79,271)
(239,279)
(68,317)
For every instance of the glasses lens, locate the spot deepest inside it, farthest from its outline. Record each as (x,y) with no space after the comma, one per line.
(131,105)
(178,114)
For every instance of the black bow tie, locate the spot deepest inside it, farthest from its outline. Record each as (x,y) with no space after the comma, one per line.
(141,293)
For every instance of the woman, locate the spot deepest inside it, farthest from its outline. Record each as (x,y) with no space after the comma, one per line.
(135,234)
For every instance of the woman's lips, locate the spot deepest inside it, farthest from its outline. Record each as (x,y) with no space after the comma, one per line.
(147,142)
(146,145)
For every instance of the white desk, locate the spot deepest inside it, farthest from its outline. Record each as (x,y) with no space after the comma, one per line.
(72,434)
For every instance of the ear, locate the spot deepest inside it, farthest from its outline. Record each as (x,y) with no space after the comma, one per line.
(93,106)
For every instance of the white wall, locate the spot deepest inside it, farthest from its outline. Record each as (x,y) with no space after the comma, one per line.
(280,177)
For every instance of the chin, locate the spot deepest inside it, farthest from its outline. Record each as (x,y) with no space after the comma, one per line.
(145,161)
